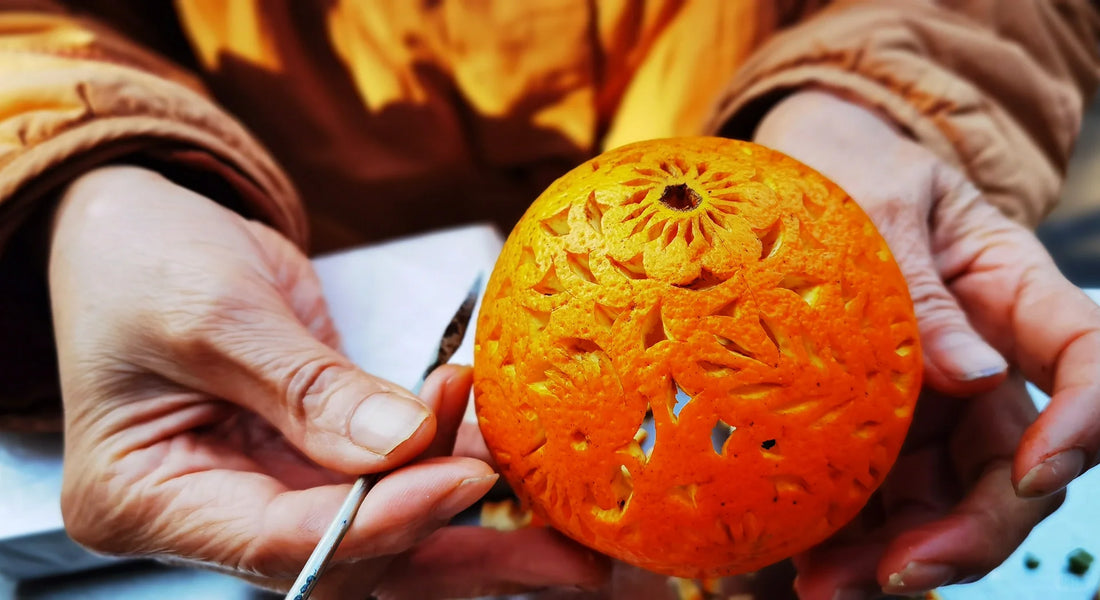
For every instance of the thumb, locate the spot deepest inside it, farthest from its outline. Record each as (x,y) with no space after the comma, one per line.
(339,416)
(957,360)
(260,341)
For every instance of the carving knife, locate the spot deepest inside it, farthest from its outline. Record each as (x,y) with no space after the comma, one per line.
(326,547)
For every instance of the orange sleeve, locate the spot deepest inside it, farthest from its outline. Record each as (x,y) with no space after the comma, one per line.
(73,95)
(998,92)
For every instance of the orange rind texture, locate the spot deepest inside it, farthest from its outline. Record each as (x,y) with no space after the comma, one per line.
(695,355)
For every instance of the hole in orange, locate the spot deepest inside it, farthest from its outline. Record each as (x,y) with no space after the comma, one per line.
(680,400)
(720,434)
(680,197)
(647,434)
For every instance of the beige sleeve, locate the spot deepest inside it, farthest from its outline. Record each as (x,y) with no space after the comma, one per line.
(74,95)
(996,90)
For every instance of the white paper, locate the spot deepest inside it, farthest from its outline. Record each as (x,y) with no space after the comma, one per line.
(392,302)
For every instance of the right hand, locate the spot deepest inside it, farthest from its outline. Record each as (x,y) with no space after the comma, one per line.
(976,474)
(210,419)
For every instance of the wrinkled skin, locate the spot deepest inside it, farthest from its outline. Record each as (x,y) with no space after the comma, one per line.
(210,419)
(980,468)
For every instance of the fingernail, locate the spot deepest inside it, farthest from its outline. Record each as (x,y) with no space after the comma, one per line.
(384,421)
(919,577)
(463,496)
(1053,473)
(850,595)
(967,358)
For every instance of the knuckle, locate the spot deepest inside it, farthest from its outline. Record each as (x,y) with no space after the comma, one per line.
(1040,286)
(934,305)
(954,192)
(306,387)
(966,224)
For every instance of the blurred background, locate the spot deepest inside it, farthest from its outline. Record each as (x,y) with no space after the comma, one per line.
(1072,232)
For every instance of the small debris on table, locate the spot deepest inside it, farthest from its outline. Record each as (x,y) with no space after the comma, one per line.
(1031,562)
(1079,562)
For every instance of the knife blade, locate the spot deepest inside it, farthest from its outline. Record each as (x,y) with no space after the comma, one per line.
(449,343)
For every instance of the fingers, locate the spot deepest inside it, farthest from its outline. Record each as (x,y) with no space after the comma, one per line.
(446,391)
(846,567)
(844,571)
(982,530)
(460,562)
(1065,440)
(399,511)
(976,537)
(1051,330)
(990,428)
(465,562)
(1060,446)
(253,524)
(935,533)
(471,443)
(341,417)
(957,360)
(241,341)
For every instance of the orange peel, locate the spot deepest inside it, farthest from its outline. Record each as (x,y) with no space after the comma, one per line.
(724,299)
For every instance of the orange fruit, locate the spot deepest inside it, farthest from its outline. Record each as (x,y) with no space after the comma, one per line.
(695,355)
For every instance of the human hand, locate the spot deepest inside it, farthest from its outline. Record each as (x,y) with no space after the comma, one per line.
(946,513)
(210,419)
(984,288)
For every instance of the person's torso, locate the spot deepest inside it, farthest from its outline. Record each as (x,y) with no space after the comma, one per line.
(396,116)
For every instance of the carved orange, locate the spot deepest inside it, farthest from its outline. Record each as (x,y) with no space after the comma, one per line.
(695,355)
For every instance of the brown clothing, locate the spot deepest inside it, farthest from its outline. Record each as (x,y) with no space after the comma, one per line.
(366,120)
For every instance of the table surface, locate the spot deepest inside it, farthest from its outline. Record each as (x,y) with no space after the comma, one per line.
(1075,525)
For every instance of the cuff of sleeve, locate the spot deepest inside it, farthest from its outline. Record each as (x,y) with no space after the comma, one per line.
(929,69)
(84,117)
(89,115)
(973,135)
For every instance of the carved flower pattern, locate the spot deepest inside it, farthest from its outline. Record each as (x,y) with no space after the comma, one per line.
(690,221)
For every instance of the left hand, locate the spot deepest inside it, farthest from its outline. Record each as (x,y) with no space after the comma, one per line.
(984,289)
(211,418)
